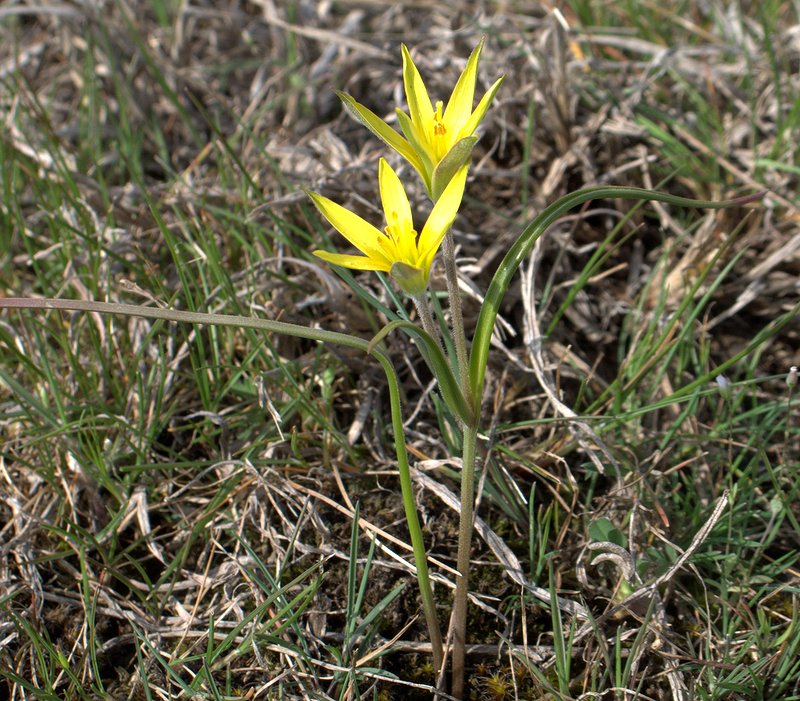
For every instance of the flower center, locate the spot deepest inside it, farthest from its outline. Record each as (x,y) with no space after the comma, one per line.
(399,233)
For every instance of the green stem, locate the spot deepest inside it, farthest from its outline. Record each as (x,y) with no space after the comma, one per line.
(469,445)
(469,454)
(457,318)
(270,326)
(426,318)
(415,531)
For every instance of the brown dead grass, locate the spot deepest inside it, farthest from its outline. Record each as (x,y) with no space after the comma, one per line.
(278,72)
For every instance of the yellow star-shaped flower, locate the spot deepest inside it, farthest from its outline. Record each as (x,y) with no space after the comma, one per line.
(438,139)
(397,250)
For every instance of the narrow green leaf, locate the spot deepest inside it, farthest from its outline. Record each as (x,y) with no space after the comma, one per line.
(522,247)
(434,357)
(352,610)
(269,326)
(372,617)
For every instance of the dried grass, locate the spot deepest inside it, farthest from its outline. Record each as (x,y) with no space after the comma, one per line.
(187,546)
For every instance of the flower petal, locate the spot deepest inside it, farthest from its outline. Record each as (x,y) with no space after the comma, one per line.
(480,111)
(365,237)
(459,106)
(441,218)
(381,129)
(396,206)
(419,147)
(398,213)
(419,104)
(347,260)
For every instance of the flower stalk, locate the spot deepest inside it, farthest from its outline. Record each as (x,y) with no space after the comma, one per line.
(465,524)
(426,317)
(456,314)
(437,140)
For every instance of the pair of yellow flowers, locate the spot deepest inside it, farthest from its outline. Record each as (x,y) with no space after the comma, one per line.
(438,144)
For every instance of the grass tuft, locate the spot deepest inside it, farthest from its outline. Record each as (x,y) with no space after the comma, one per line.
(207,513)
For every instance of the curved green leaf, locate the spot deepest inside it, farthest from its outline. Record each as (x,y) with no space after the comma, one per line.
(522,247)
(435,358)
(267,325)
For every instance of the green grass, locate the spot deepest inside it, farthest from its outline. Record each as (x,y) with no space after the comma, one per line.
(168,500)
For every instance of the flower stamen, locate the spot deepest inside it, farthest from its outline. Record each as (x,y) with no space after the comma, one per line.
(439,129)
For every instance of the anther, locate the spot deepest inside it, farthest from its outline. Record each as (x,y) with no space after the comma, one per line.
(439,128)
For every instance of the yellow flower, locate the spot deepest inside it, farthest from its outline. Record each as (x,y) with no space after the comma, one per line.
(397,250)
(438,139)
